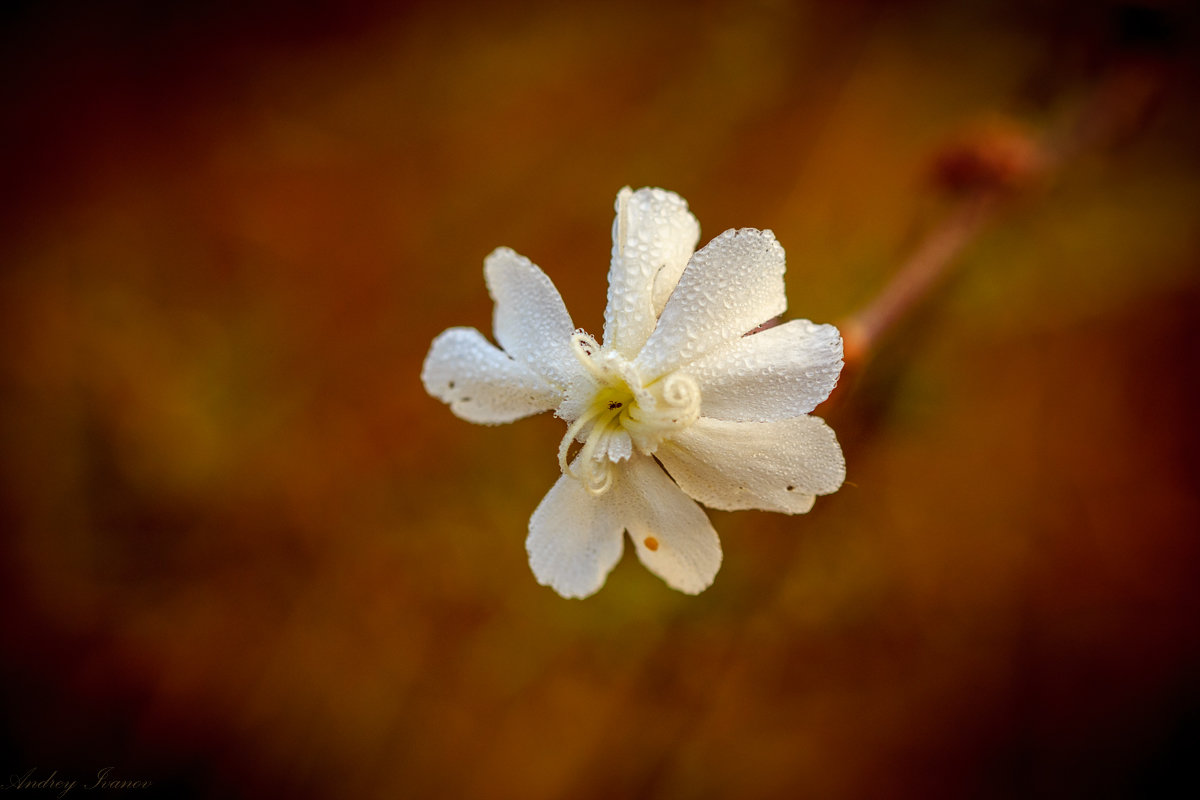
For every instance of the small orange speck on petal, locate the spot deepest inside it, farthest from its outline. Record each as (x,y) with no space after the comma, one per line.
(651,543)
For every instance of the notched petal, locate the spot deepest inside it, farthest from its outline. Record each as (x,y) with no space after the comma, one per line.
(775,374)
(774,466)
(654,234)
(574,539)
(730,286)
(530,320)
(672,535)
(480,382)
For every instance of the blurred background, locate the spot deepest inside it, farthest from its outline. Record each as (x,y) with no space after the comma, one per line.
(244,554)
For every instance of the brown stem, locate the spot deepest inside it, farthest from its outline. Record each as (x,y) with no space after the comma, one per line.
(917,276)
(984,170)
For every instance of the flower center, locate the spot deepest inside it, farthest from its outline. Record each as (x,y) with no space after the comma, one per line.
(623,412)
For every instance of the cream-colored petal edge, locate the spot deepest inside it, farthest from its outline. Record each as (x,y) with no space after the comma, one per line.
(530,320)
(731,285)
(480,382)
(654,234)
(778,373)
(574,539)
(671,533)
(775,466)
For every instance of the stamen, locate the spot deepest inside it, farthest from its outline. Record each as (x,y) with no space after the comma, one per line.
(681,391)
(651,543)
(594,472)
(674,404)
(597,487)
(588,454)
(622,405)
(585,348)
(565,445)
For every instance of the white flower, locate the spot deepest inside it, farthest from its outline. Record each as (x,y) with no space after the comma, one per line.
(677,384)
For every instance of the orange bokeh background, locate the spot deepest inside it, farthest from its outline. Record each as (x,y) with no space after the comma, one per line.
(245,555)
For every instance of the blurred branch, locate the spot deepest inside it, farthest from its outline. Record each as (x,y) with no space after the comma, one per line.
(988,166)
(916,278)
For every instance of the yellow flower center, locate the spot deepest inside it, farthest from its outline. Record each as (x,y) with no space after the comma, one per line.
(623,412)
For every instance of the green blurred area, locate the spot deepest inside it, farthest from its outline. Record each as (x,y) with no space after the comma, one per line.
(244,554)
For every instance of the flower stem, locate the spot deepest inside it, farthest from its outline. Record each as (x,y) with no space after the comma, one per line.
(917,276)
(991,165)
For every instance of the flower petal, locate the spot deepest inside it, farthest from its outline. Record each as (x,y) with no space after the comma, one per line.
(673,536)
(782,372)
(530,321)
(617,447)
(654,234)
(575,538)
(480,382)
(774,466)
(731,285)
